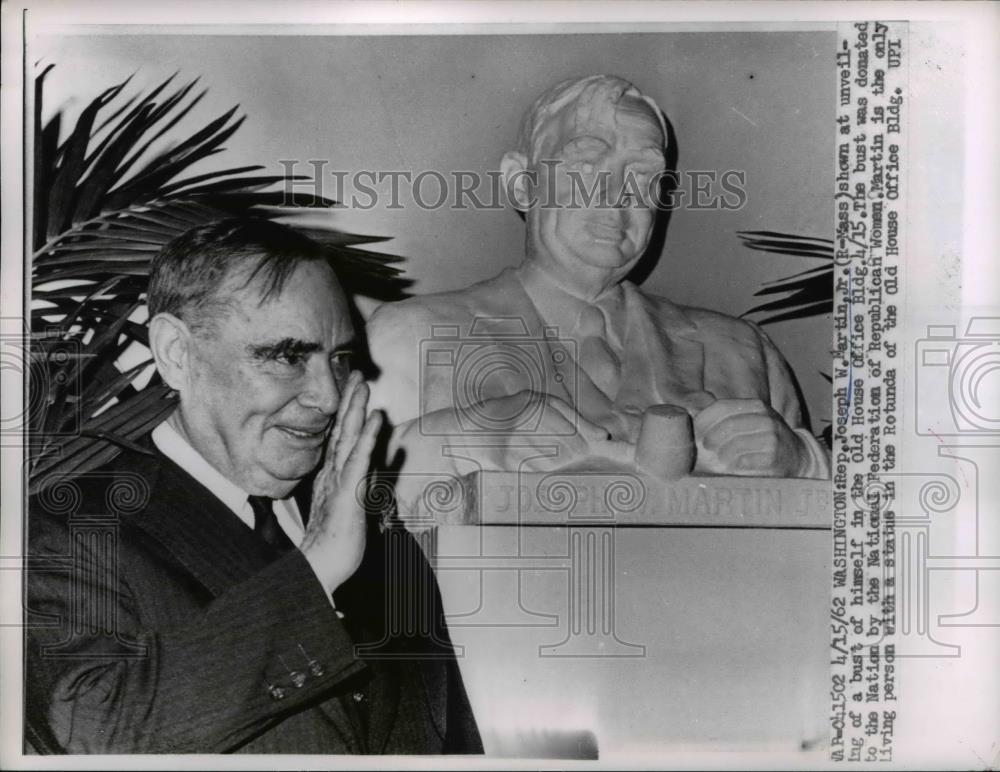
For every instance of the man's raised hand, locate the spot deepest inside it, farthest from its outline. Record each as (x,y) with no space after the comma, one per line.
(334,541)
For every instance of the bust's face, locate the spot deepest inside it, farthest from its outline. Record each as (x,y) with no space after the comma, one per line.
(607,153)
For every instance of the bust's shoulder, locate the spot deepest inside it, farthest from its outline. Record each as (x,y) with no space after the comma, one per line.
(407,317)
(706,322)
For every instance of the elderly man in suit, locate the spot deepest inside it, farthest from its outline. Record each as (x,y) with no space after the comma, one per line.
(562,354)
(218,590)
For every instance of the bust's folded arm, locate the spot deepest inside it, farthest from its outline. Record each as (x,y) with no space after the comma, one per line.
(786,402)
(206,685)
(395,332)
(817,464)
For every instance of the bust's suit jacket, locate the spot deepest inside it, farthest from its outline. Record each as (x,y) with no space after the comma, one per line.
(671,352)
(157,622)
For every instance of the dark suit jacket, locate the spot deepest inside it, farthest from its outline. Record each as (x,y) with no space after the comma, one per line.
(158,623)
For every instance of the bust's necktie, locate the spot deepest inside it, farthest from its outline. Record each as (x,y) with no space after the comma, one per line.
(266,526)
(595,356)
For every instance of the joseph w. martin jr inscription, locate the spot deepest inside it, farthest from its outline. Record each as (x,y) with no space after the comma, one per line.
(625,498)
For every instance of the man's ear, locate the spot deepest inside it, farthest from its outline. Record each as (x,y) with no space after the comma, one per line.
(517,179)
(170,341)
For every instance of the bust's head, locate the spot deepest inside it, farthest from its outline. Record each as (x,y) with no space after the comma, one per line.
(589,157)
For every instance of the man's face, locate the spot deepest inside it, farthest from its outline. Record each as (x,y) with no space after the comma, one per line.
(265,384)
(611,153)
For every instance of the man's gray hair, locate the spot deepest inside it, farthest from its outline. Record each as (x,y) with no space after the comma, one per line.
(587,92)
(187,275)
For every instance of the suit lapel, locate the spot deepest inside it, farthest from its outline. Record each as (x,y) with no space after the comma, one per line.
(665,359)
(201,532)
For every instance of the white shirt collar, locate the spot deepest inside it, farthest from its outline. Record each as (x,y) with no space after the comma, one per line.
(172,445)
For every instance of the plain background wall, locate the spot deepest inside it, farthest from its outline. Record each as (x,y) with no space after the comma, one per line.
(759,102)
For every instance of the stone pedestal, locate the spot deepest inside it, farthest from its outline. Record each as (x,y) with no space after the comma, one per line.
(641,615)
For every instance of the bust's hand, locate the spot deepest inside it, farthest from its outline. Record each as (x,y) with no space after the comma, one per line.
(334,541)
(747,437)
(549,425)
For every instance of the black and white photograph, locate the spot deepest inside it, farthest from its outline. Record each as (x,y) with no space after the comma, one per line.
(459,384)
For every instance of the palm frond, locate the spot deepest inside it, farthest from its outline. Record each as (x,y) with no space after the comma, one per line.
(101,438)
(806,293)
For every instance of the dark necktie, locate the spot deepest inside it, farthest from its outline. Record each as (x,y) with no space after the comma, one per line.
(266,526)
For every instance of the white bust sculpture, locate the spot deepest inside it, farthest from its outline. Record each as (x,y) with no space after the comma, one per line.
(562,354)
